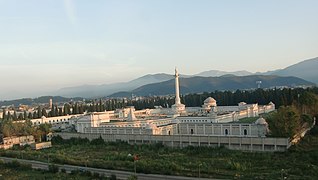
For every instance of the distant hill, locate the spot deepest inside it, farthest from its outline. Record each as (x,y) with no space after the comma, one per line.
(207,84)
(307,70)
(94,91)
(217,73)
(91,91)
(39,100)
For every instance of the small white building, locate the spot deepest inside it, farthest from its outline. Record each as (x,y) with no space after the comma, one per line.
(91,120)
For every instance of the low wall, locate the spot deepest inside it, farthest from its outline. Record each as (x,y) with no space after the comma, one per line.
(41,145)
(236,143)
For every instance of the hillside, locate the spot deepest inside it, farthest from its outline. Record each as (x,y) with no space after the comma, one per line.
(39,100)
(207,84)
(306,70)
(91,91)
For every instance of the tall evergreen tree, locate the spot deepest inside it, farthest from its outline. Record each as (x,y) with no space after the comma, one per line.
(15,117)
(44,113)
(25,115)
(4,116)
(20,116)
(30,116)
(35,115)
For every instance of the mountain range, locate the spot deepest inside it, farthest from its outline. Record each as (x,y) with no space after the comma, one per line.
(199,84)
(305,70)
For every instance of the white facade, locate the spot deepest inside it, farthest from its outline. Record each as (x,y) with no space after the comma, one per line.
(91,120)
(69,119)
(209,120)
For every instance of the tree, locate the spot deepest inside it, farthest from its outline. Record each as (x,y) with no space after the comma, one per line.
(308,103)
(60,112)
(28,127)
(4,116)
(76,109)
(81,109)
(20,117)
(7,128)
(285,122)
(25,115)
(30,116)
(9,117)
(67,109)
(15,117)
(39,112)
(43,112)
(35,115)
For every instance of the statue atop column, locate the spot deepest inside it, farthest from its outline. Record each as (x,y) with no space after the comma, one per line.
(177,107)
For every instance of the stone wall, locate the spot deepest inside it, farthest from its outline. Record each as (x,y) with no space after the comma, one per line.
(236,143)
(222,129)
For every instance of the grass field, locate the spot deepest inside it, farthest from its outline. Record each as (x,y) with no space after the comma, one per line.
(299,162)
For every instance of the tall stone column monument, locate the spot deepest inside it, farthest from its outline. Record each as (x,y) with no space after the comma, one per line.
(177,107)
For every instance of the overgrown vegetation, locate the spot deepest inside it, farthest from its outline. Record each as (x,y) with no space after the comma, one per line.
(15,170)
(300,162)
(289,120)
(11,128)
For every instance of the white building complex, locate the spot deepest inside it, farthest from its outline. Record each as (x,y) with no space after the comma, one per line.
(207,120)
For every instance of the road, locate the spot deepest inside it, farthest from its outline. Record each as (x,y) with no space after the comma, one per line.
(106,172)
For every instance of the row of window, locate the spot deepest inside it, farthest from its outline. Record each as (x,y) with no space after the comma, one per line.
(194,120)
(226,131)
(61,120)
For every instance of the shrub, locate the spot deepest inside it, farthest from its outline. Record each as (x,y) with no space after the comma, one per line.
(17,165)
(113,177)
(53,168)
(57,140)
(98,141)
(13,164)
(75,172)
(96,175)
(314,130)
(63,170)
(86,173)
(132,177)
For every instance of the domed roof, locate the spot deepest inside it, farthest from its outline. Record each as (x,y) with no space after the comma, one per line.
(260,121)
(210,100)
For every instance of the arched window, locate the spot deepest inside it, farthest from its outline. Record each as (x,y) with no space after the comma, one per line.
(169,133)
(191,131)
(226,131)
(245,132)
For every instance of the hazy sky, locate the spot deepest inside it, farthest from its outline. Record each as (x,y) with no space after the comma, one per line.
(49,44)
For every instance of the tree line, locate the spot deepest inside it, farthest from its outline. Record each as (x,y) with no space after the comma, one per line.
(280,97)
